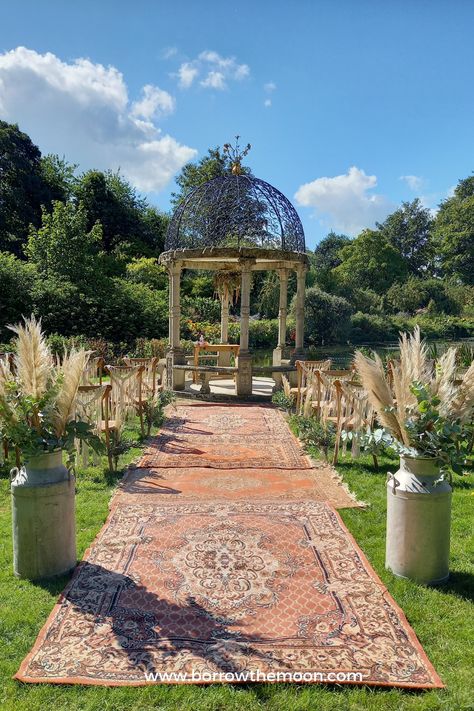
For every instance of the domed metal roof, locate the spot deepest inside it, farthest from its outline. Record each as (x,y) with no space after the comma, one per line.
(236,211)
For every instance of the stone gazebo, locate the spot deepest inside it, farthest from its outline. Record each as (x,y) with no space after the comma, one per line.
(235,224)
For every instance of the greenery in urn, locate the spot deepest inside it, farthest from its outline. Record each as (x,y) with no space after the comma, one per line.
(421,403)
(37,397)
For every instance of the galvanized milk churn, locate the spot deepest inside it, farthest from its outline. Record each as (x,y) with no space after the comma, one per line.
(418,521)
(44,527)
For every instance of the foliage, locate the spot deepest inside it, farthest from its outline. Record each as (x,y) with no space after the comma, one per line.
(214,164)
(367,301)
(127,220)
(453,233)
(16,280)
(63,247)
(23,188)
(60,176)
(315,434)
(327,257)
(369,262)
(154,409)
(146,270)
(417,293)
(37,399)
(432,434)
(373,442)
(408,230)
(201,308)
(327,317)
(283,401)
(423,406)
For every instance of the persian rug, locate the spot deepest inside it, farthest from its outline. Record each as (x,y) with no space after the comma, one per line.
(241,587)
(225,437)
(321,484)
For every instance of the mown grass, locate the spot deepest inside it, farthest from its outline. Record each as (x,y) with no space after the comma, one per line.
(442,618)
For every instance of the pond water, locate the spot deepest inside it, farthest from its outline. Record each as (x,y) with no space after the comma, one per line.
(342,355)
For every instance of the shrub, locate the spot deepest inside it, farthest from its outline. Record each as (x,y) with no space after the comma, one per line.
(370,328)
(16,281)
(420,293)
(146,270)
(327,317)
(367,301)
(201,308)
(314,434)
(283,401)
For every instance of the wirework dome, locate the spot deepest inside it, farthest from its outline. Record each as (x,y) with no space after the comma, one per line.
(236,211)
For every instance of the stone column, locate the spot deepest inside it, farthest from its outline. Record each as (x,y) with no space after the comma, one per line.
(299,353)
(244,374)
(224,357)
(175,378)
(224,320)
(282,313)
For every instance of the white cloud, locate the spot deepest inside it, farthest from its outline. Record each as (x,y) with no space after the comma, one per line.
(82,110)
(155,102)
(345,201)
(169,52)
(187,74)
(269,87)
(214,80)
(217,71)
(414,182)
(267,103)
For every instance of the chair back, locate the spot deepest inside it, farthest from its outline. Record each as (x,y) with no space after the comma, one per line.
(126,381)
(149,378)
(91,406)
(94,370)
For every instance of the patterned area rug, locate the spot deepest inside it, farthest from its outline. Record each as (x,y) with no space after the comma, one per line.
(238,587)
(225,437)
(319,484)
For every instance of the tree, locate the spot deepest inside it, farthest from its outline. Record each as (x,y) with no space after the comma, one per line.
(59,175)
(146,270)
(216,163)
(22,187)
(16,280)
(327,257)
(370,262)
(64,248)
(453,232)
(327,317)
(131,227)
(408,229)
(417,293)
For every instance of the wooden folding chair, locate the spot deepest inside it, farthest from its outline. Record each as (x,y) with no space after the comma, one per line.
(93,370)
(127,394)
(150,380)
(93,406)
(304,371)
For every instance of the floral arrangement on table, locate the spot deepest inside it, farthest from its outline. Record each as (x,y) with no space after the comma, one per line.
(37,397)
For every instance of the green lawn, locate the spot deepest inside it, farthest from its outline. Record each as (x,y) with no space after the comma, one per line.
(442,618)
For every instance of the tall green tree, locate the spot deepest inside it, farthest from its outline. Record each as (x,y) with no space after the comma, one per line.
(23,188)
(64,247)
(370,262)
(16,281)
(129,224)
(453,232)
(408,229)
(59,176)
(212,165)
(327,257)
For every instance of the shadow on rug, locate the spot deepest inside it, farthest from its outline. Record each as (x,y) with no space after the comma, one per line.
(194,590)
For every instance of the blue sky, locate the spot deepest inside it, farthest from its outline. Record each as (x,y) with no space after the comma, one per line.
(350,106)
